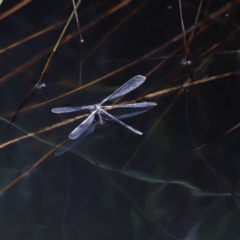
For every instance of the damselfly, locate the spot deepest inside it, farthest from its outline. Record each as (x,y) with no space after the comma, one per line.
(98,114)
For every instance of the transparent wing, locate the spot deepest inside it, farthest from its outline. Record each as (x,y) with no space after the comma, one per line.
(67,146)
(129,86)
(134,105)
(89,131)
(129,115)
(108,117)
(73,143)
(82,127)
(72,109)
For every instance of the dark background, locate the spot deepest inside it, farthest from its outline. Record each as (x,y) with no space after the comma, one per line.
(193,194)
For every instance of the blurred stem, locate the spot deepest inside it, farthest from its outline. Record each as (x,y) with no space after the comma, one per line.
(77,21)
(45,70)
(66,26)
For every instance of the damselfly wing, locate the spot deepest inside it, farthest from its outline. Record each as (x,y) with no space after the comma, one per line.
(98,113)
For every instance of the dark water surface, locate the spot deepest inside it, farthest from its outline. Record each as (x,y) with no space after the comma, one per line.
(183,173)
